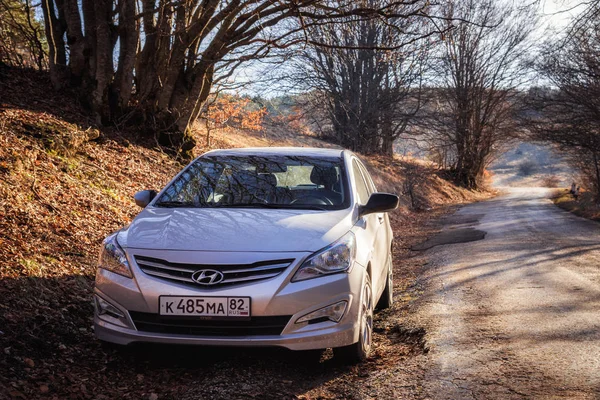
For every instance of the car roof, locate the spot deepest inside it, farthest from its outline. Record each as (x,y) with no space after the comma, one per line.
(279,151)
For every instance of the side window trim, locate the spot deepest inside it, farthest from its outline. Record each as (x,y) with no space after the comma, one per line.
(367,177)
(356,170)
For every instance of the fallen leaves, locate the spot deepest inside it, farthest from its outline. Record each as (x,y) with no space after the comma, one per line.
(54,211)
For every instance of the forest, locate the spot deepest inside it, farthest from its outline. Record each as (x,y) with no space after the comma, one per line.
(459,79)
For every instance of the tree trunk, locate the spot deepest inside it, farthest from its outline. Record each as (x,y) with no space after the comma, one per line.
(145,66)
(56,45)
(387,144)
(128,44)
(75,39)
(597,168)
(176,62)
(104,62)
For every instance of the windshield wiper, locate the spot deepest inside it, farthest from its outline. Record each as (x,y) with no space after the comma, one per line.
(272,206)
(246,205)
(175,204)
(305,207)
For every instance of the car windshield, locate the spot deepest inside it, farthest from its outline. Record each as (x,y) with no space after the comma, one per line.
(260,182)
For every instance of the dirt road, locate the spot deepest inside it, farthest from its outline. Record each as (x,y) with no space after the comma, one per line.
(517,314)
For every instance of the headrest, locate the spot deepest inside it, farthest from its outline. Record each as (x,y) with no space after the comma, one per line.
(326,176)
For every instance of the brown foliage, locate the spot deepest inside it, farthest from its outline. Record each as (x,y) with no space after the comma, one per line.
(231,111)
(54,211)
(234,111)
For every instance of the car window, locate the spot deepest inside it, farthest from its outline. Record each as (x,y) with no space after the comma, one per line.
(252,181)
(361,187)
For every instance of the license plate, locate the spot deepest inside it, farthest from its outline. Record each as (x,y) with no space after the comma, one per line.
(193,306)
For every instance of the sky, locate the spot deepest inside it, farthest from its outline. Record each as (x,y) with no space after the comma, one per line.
(555,15)
(558,13)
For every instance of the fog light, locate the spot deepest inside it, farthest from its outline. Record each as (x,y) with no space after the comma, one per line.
(334,313)
(105,308)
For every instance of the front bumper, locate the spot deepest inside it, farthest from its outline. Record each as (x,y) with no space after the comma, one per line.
(274,297)
(340,335)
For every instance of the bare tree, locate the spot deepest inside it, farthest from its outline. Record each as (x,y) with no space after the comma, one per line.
(171,52)
(568,112)
(480,67)
(22,41)
(364,76)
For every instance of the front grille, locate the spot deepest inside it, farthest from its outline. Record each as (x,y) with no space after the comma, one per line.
(155,323)
(232,274)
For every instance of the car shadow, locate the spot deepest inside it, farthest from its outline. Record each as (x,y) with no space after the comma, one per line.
(48,349)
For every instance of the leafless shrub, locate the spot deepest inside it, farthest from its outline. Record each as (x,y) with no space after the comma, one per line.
(568,115)
(527,167)
(413,179)
(480,70)
(365,76)
(551,181)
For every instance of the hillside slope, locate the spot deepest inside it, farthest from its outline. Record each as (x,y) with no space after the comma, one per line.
(65,185)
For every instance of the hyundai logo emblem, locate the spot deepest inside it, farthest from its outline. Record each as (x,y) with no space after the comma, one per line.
(207,277)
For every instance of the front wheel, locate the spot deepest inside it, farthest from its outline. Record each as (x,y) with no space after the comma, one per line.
(359,351)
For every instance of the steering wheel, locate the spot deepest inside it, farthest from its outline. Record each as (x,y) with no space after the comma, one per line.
(314,199)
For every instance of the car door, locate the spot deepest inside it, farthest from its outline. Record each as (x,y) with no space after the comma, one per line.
(382,240)
(372,226)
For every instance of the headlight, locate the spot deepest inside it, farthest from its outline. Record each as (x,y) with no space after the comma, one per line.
(112,257)
(335,258)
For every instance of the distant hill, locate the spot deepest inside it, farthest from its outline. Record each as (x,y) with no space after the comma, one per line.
(529,164)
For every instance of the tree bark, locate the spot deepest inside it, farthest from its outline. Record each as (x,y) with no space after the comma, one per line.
(56,45)
(104,62)
(75,39)
(128,45)
(597,170)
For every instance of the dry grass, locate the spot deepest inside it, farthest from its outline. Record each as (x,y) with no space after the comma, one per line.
(585,206)
(56,206)
(63,188)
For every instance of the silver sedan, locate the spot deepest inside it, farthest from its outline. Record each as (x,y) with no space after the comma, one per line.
(286,247)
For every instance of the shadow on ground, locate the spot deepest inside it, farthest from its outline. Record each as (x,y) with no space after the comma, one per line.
(48,350)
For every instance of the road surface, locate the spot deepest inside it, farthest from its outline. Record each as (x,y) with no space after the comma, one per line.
(517,314)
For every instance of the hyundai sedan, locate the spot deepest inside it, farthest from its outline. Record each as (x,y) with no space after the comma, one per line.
(288,247)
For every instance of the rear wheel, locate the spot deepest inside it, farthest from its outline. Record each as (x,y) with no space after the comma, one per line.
(359,351)
(387,297)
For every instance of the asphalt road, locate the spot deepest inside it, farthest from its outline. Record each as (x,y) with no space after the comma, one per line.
(517,314)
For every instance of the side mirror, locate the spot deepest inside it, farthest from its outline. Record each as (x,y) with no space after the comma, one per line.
(144,197)
(379,202)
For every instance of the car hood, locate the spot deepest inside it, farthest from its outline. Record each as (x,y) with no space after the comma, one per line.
(265,230)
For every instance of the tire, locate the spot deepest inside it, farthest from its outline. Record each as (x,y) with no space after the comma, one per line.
(387,297)
(359,351)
